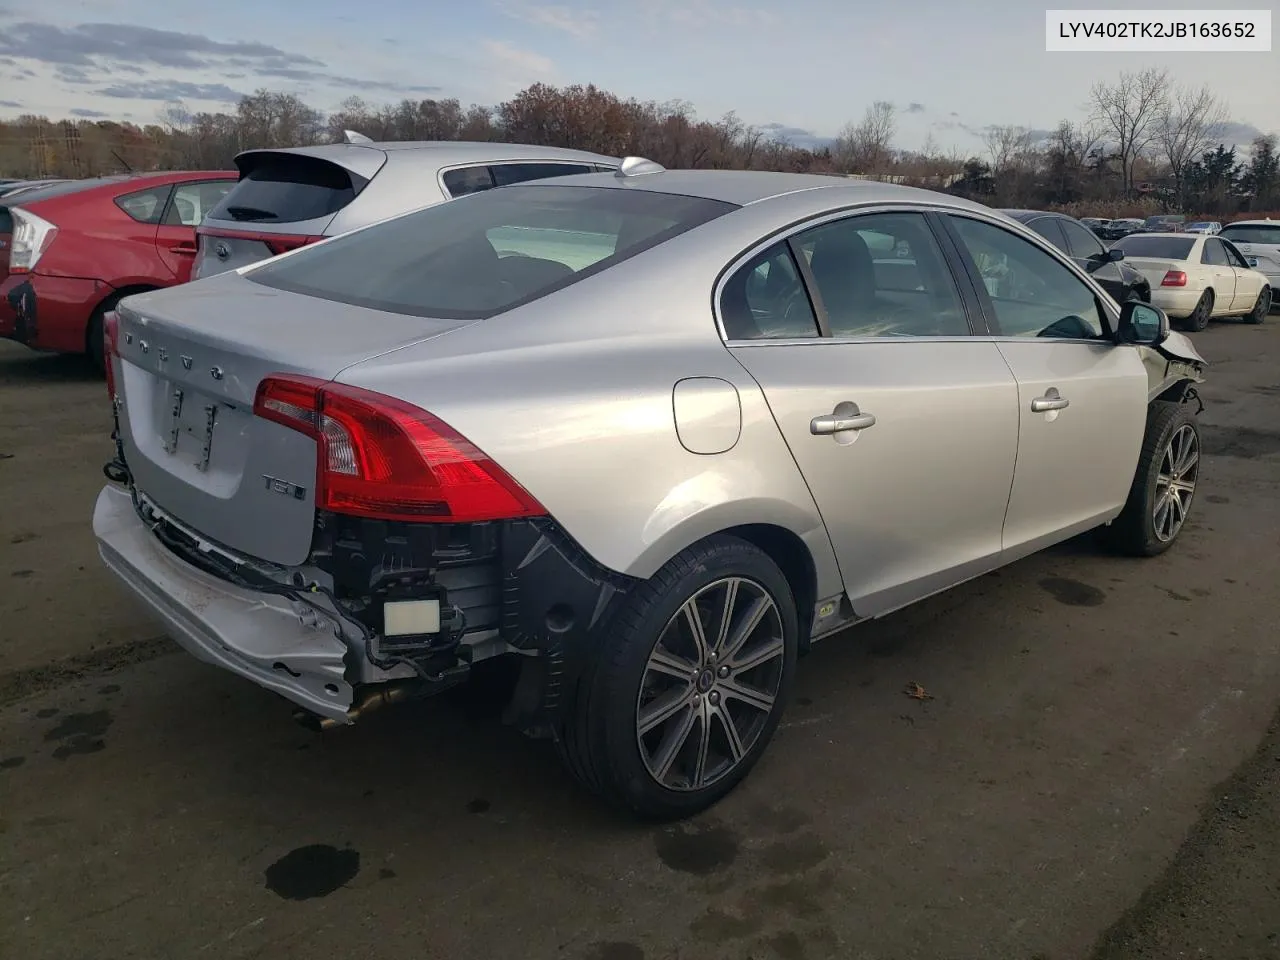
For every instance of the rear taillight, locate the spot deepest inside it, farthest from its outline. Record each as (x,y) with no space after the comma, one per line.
(1174,278)
(381,458)
(110,342)
(277,243)
(32,236)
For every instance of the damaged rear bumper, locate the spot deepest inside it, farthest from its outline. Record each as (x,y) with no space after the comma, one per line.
(268,639)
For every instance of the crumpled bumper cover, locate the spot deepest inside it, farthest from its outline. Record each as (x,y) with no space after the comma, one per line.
(259,636)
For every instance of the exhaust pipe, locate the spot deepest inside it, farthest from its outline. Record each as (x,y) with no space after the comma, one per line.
(373,698)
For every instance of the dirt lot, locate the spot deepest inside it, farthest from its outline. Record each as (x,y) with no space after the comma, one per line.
(1094,776)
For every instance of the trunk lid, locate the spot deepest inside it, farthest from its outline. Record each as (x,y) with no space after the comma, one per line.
(1152,269)
(189,360)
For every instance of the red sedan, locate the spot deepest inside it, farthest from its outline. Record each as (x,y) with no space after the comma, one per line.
(70,251)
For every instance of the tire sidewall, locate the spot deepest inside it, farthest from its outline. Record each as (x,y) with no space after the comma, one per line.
(1199,318)
(1258,314)
(1152,474)
(621,672)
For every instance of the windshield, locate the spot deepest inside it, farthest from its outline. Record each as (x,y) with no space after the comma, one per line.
(487,252)
(1252,233)
(1160,248)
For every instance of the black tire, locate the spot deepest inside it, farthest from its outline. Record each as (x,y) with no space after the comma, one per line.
(1134,532)
(1199,318)
(94,347)
(1261,307)
(599,739)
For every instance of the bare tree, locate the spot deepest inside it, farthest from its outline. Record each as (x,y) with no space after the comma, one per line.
(1130,112)
(867,146)
(1009,147)
(1190,124)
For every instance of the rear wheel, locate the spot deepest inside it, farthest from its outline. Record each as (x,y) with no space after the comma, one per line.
(688,683)
(1164,484)
(1199,318)
(1261,307)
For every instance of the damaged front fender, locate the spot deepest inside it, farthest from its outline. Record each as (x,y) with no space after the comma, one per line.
(1173,362)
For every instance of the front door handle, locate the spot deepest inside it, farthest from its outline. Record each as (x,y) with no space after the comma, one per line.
(1051,400)
(845,417)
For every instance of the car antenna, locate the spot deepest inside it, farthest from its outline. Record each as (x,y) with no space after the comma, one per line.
(637,166)
(123,162)
(351,136)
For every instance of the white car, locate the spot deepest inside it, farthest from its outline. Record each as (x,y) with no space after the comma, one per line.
(1259,241)
(1209,227)
(1197,277)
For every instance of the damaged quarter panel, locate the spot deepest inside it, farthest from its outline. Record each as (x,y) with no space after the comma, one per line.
(571,407)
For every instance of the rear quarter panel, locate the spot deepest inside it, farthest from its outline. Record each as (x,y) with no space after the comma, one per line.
(572,395)
(97,240)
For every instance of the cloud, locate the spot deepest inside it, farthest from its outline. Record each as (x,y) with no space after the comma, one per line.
(355,83)
(88,114)
(524,62)
(796,136)
(914,107)
(70,74)
(11,104)
(581,24)
(172,90)
(95,44)
(1238,134)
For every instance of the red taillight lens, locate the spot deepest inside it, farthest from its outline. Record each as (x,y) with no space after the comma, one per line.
(1174,278)
(382,458)
(110,342)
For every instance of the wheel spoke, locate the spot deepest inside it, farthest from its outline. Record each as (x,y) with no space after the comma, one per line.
(759,655)
(668,664)
(673,743)
(746,626)
(726,615)
(693,618)
(704,748)
(663,708)
(731,736)
(752,697)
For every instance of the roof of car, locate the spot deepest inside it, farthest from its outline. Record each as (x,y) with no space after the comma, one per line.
(1025,215)
(743,187)
(448,151)
(1174,234)
(1252,223)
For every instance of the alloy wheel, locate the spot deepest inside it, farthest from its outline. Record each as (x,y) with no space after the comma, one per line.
(1176,483)
(710,684)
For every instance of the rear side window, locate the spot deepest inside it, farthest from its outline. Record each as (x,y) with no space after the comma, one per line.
(145,206)
(767,300)
(1253,233)
(288,188)
(1159,248)
(467,180)
(193,201)
(508,173)
(481,255)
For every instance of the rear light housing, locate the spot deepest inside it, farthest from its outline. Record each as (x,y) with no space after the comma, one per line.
(381,458)
(1174,278)
(277,243)
(32,236)
(110,345)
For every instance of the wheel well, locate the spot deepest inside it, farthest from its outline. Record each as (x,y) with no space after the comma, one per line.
(114,297)
(1175,393)
(791,555)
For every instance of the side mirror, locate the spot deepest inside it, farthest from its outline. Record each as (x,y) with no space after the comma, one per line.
(1141,324)
(1112,255)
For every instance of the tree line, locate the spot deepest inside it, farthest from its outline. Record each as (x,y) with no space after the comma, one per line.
(1148,145)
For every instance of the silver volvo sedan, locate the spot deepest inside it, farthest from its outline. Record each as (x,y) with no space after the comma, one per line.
(646,434)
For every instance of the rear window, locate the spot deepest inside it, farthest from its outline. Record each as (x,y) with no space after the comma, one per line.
(1252,233)
(479,255)
(288,188)
(1161,248)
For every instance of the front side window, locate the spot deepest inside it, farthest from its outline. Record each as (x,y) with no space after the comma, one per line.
(766,299)
(481,255)
(1031,293)
(883,275)
(1214,253)
(145,206)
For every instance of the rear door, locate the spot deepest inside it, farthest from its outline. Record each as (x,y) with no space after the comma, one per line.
(1249,282)
(1082,401)
(902,422)
(1222,276)
(189,203)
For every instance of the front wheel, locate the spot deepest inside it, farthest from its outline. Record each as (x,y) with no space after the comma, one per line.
(1261,307)
(1164,484)
(687,685)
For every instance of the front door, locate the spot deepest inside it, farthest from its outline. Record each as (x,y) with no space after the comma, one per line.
(903,424)
(1082,400)
(1249,282)
(1222,275)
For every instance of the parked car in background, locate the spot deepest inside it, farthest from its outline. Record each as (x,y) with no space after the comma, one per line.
(1259,243)
(1164,223)
(414,447)
(69,251)
(1096,224)
(1208,227)
(1072,237)
(287,198)
(1115,229)
(1196,278)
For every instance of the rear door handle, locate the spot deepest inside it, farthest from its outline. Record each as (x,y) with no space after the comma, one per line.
(1051,400)
(845,417)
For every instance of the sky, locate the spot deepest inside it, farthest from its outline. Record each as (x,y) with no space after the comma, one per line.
(799,69)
